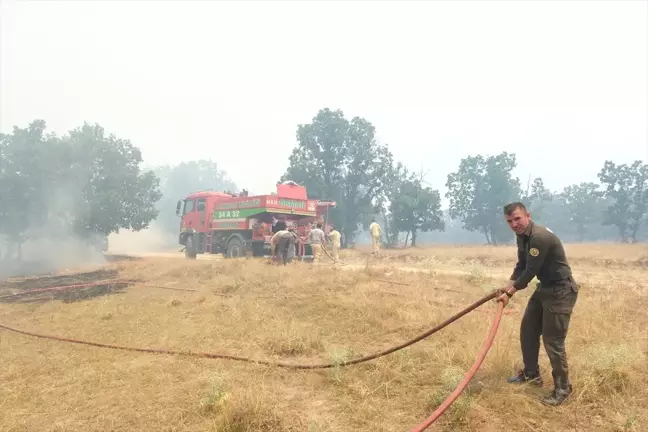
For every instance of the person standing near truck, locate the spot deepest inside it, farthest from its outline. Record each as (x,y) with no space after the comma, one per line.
(316,238)
(281,241)
(292,244)
(335,236)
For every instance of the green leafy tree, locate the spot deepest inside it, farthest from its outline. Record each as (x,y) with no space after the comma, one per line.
(114,193)
(83,184)
(479,189)
(28,169)
(627,186)
(341,160)
(416,208)
(584,207)
(396,176)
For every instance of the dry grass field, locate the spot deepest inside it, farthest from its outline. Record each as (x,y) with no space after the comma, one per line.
(303,314)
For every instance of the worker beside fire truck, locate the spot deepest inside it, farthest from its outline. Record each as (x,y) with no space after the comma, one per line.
(334,237)
(292,244)
(317,239)
(281,241)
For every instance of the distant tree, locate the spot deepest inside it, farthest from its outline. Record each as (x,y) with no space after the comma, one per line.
(341,160)
(82,184)
(584,205)
(416,208)
(554,214)
(385,216)
(114,193)
(627,186)
(479,189)
(177,181)
(453,233)
(28,169)
(537,197)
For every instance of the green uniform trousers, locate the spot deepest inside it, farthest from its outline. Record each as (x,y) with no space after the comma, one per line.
(548,314)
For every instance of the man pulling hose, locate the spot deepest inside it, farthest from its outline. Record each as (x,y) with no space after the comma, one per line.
(540,253)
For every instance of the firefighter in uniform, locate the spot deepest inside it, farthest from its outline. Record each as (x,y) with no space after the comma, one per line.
(334,236)
(317,238)
(541,254)
(281,242)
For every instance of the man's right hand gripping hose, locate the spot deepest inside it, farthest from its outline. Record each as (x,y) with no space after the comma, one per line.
(471,373)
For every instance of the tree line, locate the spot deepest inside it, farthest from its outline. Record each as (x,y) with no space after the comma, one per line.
(88,183)
(341,159)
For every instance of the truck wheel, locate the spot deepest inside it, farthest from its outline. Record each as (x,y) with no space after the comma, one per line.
(235,248)
(190,248)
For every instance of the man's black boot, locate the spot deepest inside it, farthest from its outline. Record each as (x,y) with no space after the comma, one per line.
(522,378)
(562,390)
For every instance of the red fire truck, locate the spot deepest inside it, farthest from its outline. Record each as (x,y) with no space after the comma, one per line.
(238,225)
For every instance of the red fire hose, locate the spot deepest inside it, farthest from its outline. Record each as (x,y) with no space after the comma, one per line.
(471,373)
(266,362)
(427,423)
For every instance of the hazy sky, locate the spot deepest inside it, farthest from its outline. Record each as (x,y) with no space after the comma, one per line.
(561,84)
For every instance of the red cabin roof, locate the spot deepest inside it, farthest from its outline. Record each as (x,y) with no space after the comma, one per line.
(208,193)
(288,189)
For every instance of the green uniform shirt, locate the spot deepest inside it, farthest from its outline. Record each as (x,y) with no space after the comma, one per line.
(541,254)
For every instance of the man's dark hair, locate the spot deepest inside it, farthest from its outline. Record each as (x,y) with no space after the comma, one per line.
(319,225)
(511,207)
(280,226)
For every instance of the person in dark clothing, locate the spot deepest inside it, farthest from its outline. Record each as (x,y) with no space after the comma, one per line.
(282,241)
(541,254)
(279,226)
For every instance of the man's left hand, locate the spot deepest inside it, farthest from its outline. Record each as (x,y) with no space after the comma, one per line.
(504,297)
